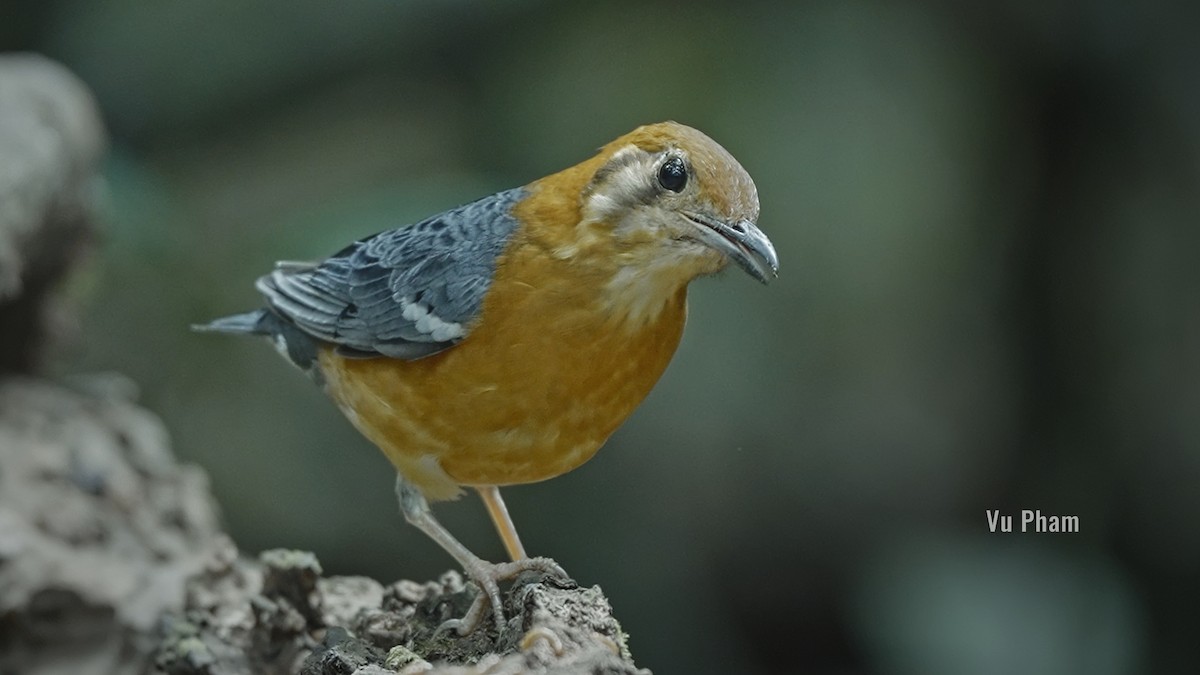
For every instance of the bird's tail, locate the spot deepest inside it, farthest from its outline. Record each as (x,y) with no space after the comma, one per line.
(295,346)
(252,323)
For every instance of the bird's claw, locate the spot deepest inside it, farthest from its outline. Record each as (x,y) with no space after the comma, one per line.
(486,576)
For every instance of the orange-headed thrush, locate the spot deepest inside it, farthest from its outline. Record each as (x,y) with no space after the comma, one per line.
(503,341)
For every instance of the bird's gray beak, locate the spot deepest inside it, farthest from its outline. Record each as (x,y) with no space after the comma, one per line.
(742,242)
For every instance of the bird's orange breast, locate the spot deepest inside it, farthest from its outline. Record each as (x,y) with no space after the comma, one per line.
(535,389)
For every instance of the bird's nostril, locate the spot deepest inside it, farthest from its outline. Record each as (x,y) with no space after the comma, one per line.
(739,227)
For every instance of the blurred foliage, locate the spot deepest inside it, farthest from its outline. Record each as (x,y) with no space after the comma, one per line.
(987,217)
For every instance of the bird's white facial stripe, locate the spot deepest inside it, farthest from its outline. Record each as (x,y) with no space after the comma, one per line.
(429,323)
(620,186)
(617,194)
(598,206)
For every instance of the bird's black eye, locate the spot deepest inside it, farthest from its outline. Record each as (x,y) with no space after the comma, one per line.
(672,175)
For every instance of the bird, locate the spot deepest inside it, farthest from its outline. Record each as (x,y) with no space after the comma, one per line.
(503,341)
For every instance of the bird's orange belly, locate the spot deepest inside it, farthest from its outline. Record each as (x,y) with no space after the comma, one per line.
(508,405)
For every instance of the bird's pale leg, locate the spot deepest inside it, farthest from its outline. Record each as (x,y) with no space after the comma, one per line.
(485,574)
(504,524)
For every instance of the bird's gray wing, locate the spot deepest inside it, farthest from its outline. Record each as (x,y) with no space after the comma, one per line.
(403,293)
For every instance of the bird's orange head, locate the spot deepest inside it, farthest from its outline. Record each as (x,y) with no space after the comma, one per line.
(670,197)
(652,211)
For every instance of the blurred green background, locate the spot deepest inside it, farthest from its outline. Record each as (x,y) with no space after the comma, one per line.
(988,217)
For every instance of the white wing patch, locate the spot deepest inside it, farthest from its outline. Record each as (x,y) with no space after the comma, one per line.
(429,323)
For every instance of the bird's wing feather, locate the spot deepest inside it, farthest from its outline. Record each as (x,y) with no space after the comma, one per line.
(404,293)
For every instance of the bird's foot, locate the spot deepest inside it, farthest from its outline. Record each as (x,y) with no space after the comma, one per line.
(487,576)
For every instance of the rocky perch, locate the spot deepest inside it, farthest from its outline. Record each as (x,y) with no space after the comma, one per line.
(280,615)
